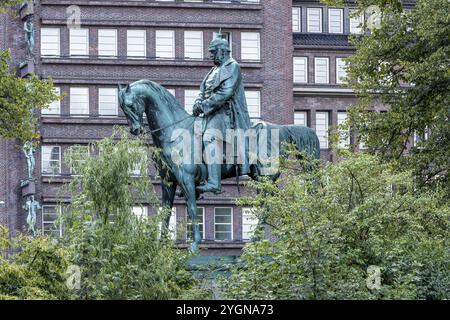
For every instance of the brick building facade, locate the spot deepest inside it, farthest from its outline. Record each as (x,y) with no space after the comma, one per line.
(289,52)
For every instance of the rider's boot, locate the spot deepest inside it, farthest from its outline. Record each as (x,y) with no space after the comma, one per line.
(214,176)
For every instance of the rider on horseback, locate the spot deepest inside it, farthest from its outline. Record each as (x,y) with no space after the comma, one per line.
(223,104)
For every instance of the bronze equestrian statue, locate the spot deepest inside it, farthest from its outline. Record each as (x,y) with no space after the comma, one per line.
(219,107)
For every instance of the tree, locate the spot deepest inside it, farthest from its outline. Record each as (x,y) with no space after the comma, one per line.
(19,100)
(330,225)
(36,271)
(120,255)
(6,4)
(404,64)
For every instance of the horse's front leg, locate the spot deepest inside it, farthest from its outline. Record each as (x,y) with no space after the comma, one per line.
(190,193)
(168,195)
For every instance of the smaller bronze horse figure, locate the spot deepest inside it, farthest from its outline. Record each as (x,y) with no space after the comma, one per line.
(165,116)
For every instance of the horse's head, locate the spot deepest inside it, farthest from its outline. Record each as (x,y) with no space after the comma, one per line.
(133,105)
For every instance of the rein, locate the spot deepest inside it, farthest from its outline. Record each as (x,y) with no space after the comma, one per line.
(172,124)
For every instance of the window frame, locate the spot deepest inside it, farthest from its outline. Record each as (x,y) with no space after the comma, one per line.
(231,223)
(144,32)
(53,174)
(104,56)
(341,20)
(116,111)
(327,70)
(87,113)
(308,29)
(44,222)
(58,36)
(172,46)
(306,69)
(71,44)
(244,56)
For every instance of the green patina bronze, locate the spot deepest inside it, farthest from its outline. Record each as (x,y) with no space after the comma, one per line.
(220,106)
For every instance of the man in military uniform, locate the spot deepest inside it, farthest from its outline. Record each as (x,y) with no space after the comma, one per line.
(222,102)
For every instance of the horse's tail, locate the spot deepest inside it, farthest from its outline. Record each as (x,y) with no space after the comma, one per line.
(305,139)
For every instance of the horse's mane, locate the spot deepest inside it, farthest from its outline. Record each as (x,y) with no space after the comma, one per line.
(162,93)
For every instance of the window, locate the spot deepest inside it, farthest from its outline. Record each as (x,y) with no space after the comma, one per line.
(335,20)
(193,45)
(172,91)
(108,102)
(300,118)
(136,44)
(107,43)
(54,108)
(50,215)
(200,220)
(189,99)
(50,43)
(322,129)
(165,44)
(79,101)
(223,223)
(51,160)
(140,212)
(250,46)
(321,70)
(356,22)
(249,224)
(344,142)
(296,19)
(253,99)
(80,154)
(300,69)
(79,42)
(419,138)
(314,20)
(341,72)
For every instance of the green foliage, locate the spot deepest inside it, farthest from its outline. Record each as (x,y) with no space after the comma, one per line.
(329,225)
(405,65)
(120,256)
(37,271)
(7,4)
(19,99)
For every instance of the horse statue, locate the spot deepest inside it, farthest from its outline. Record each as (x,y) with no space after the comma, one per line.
(166,116)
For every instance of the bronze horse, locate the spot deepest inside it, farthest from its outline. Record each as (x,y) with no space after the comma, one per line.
(165,115)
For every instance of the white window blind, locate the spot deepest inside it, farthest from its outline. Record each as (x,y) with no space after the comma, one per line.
(300,69)
(165,44)
(314,20)
(107,42)
(253,99)
(189,99)
(300,118)
(108,102)
(79,101)
(321,70)
(296,19)
(50,41)
(136,43)
(250,46)
(344,134)
(322,128)
(341,72)
(335,20)
(193,44)
(79,42)
(54,108)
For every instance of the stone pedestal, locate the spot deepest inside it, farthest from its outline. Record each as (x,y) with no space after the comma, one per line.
(26,68)
(28,188)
